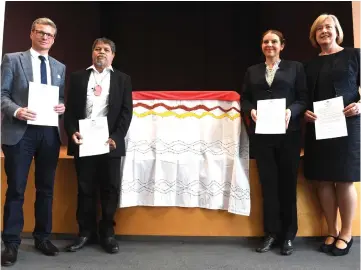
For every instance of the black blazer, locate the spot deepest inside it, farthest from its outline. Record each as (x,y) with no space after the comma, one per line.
(345,76)
(289,82)
(120,108)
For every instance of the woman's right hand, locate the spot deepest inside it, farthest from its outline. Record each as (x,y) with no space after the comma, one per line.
(310,116)
(254,115)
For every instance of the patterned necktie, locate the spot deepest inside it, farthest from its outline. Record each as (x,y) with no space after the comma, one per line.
(44,78)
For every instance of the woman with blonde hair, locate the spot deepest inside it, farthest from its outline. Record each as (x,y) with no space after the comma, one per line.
(334,163)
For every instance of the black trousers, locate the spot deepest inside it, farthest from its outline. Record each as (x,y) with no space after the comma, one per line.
(277,158)
(97,175)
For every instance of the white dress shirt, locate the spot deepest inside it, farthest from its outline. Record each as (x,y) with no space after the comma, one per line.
(97,106)
(35,64)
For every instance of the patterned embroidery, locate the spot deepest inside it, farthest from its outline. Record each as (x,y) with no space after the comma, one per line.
(186,153)
(183,107)
(186,114)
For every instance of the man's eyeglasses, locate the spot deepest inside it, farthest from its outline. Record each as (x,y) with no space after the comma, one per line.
(43,34)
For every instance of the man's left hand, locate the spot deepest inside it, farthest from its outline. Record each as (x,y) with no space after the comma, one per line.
(59,109)
(112,144)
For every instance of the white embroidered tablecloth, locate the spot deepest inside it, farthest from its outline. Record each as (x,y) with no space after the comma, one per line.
(187,149)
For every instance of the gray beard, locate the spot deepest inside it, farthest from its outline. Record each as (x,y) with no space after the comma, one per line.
(99,64)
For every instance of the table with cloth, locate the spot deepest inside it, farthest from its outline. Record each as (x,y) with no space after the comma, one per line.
(187,149)
(152,176)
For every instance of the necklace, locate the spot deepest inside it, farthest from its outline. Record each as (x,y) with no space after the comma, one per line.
(98,89)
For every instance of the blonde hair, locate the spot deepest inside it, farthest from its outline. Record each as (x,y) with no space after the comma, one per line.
(320,19)
(44,21)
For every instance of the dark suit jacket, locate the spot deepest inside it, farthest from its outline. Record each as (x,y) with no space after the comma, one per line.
(120,108)
(345,74)
(289,82)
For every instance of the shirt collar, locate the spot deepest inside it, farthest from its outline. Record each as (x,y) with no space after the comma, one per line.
(110,68)
(275,65)
(36,55)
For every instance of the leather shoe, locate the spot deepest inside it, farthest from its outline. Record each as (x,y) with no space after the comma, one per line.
(46,247)
(328,247)
(80,242)
(9,255)
(341,252)
(268,241)
(287,248)
(110,244)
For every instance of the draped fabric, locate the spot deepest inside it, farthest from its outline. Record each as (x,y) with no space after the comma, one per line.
(187,149)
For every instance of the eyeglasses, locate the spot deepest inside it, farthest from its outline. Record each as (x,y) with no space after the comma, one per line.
(44,34)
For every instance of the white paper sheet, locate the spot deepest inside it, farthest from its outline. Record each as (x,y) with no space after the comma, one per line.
(271,116)
(42,99)
(331,121)
(95,133)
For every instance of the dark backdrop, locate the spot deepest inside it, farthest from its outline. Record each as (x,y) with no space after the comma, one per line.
(174,45)
(207,45)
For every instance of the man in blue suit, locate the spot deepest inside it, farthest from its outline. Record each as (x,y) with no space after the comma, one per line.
(22,142)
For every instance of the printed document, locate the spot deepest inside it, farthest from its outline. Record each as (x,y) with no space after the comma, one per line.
(42,99)
(331,121)
(271,116)
(95,133)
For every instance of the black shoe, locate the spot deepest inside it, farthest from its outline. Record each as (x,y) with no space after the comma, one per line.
(80,242)
(328,247)
(9,255)
(46,247)
(342,251)
(287,248)
(110,244)
(267,244)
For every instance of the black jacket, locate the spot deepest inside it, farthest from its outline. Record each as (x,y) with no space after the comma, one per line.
(289,82)
(119,113)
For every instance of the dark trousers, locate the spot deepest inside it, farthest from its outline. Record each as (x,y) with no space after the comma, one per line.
(97,173)
(43,144)
(277,158)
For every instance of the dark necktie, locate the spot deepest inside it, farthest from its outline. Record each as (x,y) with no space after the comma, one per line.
(44,78)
